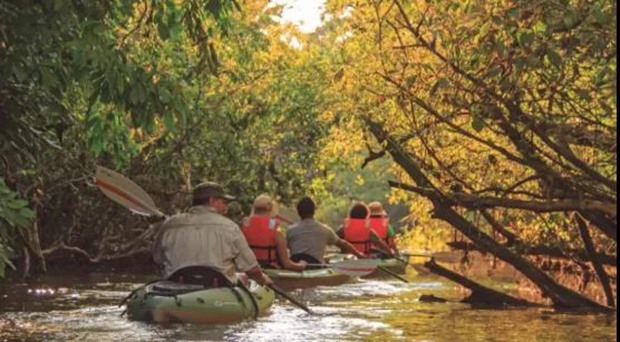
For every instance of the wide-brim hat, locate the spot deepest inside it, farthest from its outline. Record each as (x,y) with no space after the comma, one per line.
(376,209)
(211,189)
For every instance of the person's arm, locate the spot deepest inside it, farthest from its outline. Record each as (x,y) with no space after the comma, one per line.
(256,274)
(245,260)
(346,247)
(381,244)
(340,232)
(287,263)
(391,237)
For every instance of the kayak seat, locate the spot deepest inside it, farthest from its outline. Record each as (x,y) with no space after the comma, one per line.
(170,288)
(307,258)
(378,254)
(205,276)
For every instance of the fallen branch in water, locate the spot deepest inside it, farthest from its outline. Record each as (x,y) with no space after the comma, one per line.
(480,295)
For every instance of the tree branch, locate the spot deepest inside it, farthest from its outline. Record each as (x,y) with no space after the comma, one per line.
(476,202)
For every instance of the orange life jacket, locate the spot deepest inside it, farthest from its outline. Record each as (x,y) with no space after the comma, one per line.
(260,232)
(381,226)
(357,232)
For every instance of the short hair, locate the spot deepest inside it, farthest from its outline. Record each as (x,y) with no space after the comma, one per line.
(263,204)
(196,202)
(305,208)
(359,211)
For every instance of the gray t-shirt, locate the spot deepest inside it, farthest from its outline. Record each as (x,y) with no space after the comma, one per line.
(310,237)
(203,237)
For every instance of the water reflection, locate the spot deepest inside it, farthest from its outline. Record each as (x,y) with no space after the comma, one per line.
(370,310)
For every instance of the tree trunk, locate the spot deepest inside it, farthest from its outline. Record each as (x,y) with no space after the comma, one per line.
(481,295)
(598,267)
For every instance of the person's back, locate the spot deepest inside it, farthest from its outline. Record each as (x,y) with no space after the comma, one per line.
(309,239)
(204,238)
(357,230)
(264,235)
(380,223)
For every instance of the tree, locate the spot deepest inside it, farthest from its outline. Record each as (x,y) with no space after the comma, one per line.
(495,108)
(169,93)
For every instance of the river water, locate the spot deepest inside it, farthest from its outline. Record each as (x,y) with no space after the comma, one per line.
(85,308)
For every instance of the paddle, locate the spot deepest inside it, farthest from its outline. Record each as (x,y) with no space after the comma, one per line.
(288,297)
(353,268)
(131,196)
(393,274)
(448,257)
(125,192)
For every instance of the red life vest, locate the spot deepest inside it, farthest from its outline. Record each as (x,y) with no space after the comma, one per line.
(260,232)
(357,233)
(381,226)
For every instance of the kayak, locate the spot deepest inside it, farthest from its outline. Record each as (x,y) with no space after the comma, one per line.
(397,265)
(169,302)
(290,280)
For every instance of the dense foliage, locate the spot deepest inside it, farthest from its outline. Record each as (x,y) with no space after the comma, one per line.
(500,116)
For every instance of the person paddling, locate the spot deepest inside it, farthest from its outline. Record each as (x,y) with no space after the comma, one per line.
(309,238)
(204,247)
(380,223)
(356,229)
(265,236)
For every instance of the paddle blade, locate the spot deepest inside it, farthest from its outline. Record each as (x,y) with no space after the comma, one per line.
(287,215)
(125,192)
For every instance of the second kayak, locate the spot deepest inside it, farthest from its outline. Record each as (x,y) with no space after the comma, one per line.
(290,280)
(397,265)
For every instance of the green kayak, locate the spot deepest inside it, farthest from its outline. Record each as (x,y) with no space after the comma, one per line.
(290,280)
(397,265)
(168,302)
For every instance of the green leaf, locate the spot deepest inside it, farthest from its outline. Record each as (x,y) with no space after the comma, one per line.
(164,95)
(554,58)
(441,83)
(163,30)
(20,74)
(525,38)
(96,146)
(584,94)
(599,16)
(571,19)
(17,204)
(215,7)
(495,71)
(48,79)
(169,121)
(133,96)
(513,12)
(58,5)
(540,27)
(477,123)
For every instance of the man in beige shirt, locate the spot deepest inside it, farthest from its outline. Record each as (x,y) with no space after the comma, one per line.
(203,237)
(308,239)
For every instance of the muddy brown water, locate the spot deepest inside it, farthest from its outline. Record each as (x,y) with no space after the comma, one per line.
(85,308)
